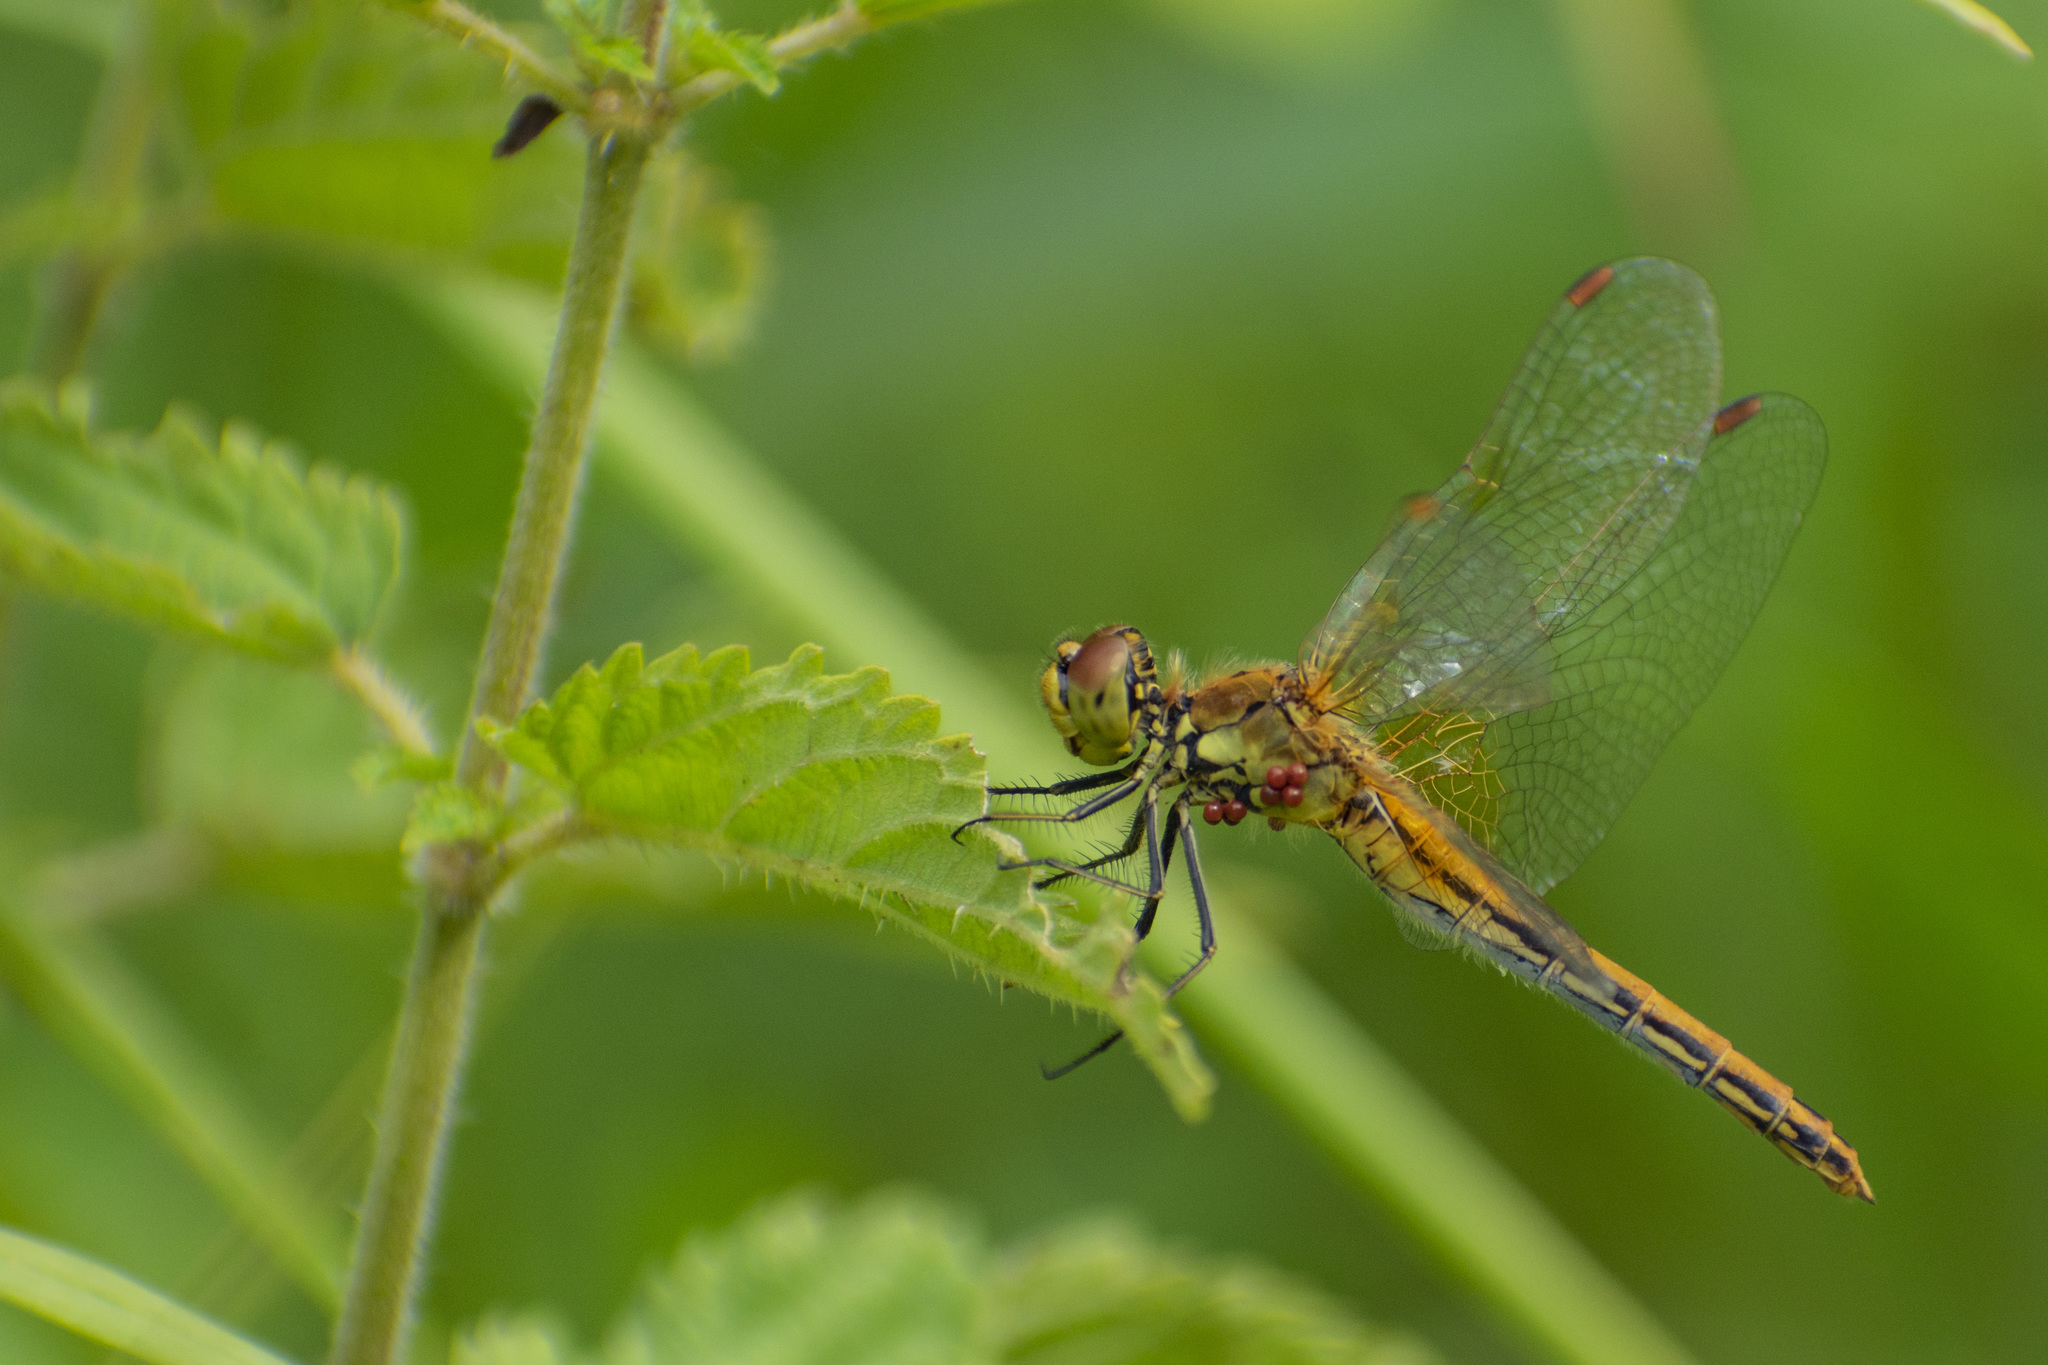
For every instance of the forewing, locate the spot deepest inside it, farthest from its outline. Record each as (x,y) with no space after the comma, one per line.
(1539,779)
(1575,482)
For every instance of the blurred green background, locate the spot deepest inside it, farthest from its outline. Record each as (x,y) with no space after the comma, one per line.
(1150,311)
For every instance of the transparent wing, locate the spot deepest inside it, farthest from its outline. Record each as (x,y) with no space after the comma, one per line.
(1538,777)
(1575,481)
(1528,639)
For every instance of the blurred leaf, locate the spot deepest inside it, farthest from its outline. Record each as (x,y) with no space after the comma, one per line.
(799,1282)
(342,125)
(1972,15)
(262,759)
(525,1340)
(108,1307)
(1104,1295)
(901,1279)
(94,25)
(345,124)
(703,259)
(833,782)
(230,541)
(85,996)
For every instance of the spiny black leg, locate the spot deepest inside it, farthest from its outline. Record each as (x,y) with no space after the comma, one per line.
(1073,784)
(1151,911)
(1092,782)
(1081,812)
(1133,837)
(1161,852)
(1091,807)
(1201,890)
(1053,1073)
(1156,882)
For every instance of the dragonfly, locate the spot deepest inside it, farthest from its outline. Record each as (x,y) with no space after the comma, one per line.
(1492,687)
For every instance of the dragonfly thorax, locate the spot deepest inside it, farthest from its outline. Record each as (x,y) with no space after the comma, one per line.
(1103,694)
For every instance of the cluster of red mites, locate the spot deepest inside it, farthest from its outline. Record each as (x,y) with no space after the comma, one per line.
(1283,788)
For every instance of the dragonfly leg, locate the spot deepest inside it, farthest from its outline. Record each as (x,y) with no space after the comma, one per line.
(1134,837)
(1206,923)
(1072,785)
(1144,925)
(1180,822)
(1125,785)
(1156,880)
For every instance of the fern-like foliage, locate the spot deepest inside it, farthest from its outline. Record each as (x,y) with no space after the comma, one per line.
(900,1279)
(230,540)
(834,782)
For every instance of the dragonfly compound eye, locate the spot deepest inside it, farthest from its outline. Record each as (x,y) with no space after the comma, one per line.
(1089,690)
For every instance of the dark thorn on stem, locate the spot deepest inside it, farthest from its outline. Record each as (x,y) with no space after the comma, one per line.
(528,122)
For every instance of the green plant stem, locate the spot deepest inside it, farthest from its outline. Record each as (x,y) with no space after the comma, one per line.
(397,713)
(412,1137)
(458,880)
(524,605)
(74,285)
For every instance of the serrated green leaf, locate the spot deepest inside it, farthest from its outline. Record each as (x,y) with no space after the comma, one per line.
(803,1282)
(833,782)
(1103,1294)
(106,1306)
(230,541)
(746,55)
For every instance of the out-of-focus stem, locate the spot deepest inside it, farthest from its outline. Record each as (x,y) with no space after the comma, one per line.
(74,285)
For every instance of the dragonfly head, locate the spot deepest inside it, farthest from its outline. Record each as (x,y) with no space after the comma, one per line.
(1099,692)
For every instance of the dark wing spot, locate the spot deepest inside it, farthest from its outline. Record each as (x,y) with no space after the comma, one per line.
(1736,413)
(1589,285)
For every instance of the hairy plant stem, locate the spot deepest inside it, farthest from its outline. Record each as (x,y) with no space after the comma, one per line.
(458,880)
(524,605)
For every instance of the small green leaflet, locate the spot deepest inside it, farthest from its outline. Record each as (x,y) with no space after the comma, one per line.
(901,1279)
(833,782)
(746,55)
(106,1306)
(587,23)
(232,541)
